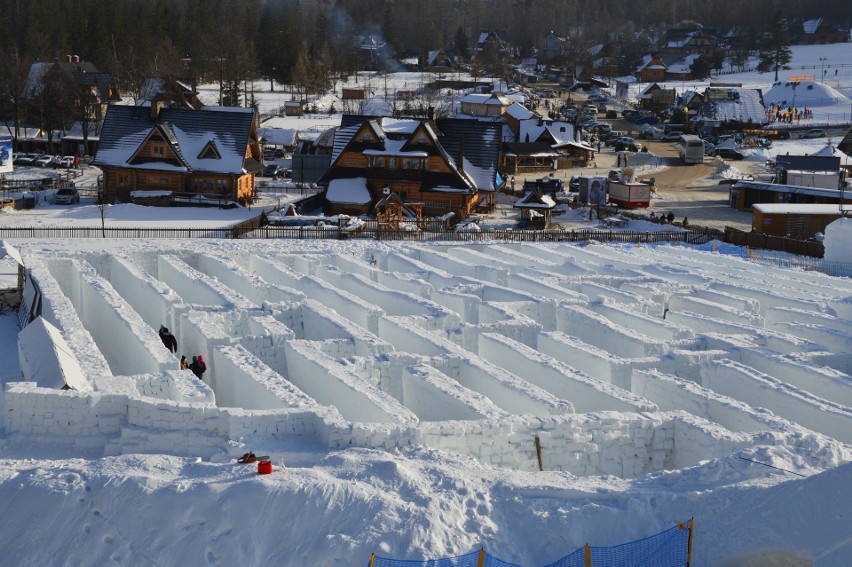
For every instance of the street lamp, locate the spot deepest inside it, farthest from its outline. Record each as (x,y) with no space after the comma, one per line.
(822,61)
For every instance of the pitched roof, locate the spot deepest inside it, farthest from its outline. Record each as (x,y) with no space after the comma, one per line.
(811,26)
(479,143)
(188,132)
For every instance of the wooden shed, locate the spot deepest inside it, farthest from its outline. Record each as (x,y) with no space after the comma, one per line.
(795,220)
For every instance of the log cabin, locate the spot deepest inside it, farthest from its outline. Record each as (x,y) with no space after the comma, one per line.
(211,154)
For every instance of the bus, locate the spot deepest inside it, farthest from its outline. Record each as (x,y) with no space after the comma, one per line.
(691,149)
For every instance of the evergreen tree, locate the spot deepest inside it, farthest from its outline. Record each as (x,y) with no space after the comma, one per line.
(775,53)
(460,44)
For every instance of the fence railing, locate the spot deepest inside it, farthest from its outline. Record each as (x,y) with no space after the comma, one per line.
(252,229)
(811,248)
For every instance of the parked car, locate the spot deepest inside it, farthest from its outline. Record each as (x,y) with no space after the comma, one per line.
(728,153)
(647,120)
(601,107)
(44,160)
(272,170)
(612,113)
(672,136)
(24,159)
(814,133)
(67,196)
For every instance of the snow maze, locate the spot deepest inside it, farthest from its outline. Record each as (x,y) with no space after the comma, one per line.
(596,360)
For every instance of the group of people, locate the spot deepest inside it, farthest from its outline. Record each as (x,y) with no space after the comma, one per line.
(197,366)
(663,218)
(787,114)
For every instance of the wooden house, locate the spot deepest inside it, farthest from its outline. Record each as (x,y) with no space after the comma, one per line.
(423,162)
(493,105)
(681,42)
(552,46)
(438,60)
(171,92)
(89,91)
(544,145)
(209,154)
(651,70)
(294,108)
(820,31)
(795,220)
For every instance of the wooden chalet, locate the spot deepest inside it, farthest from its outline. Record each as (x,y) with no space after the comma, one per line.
(544,145)
(820,31)
(423,162)
(652,69)
(491,105)
(171,92)
(209,154)
(438,60)
(683,42)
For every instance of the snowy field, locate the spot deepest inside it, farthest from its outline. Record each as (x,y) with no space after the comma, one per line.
(399,389)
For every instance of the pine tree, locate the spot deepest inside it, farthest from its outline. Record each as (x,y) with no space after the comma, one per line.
(775,53)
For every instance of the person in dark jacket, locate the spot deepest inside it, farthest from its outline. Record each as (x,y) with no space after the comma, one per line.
(168,339)
(198,366)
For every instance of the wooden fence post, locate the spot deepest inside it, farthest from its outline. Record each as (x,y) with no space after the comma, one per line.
(538,453)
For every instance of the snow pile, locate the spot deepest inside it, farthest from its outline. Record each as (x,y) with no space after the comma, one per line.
(837,238)
(800,95)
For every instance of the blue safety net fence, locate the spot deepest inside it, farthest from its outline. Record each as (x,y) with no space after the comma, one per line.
(666,549)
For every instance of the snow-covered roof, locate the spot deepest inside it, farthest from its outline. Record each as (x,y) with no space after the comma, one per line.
(278,136)
(680,42)
(520,112)
(535,201)
(683,66)
(811,26)
(832,151)
(530,131)
(742,105)
(351,191)
(798,208)
(126,128)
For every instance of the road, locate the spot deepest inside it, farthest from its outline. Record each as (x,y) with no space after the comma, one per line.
(691,191)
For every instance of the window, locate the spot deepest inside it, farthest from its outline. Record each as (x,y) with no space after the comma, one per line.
(158,150)
(123,180)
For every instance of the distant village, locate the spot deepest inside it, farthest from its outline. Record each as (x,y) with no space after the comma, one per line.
(439,153)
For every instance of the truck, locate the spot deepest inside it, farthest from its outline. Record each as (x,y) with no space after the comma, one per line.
(629,195)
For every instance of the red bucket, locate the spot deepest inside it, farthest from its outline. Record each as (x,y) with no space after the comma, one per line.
(264,467)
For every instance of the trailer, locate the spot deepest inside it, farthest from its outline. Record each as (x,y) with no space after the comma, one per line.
(629,195)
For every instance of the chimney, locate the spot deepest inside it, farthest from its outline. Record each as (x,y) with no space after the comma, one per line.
(77,59)
(68,57)
(156,107)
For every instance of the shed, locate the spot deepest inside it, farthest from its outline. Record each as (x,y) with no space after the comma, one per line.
(744,194)
(536,210)
(795,220)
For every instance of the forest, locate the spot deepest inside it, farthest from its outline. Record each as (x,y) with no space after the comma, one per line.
(306,41)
